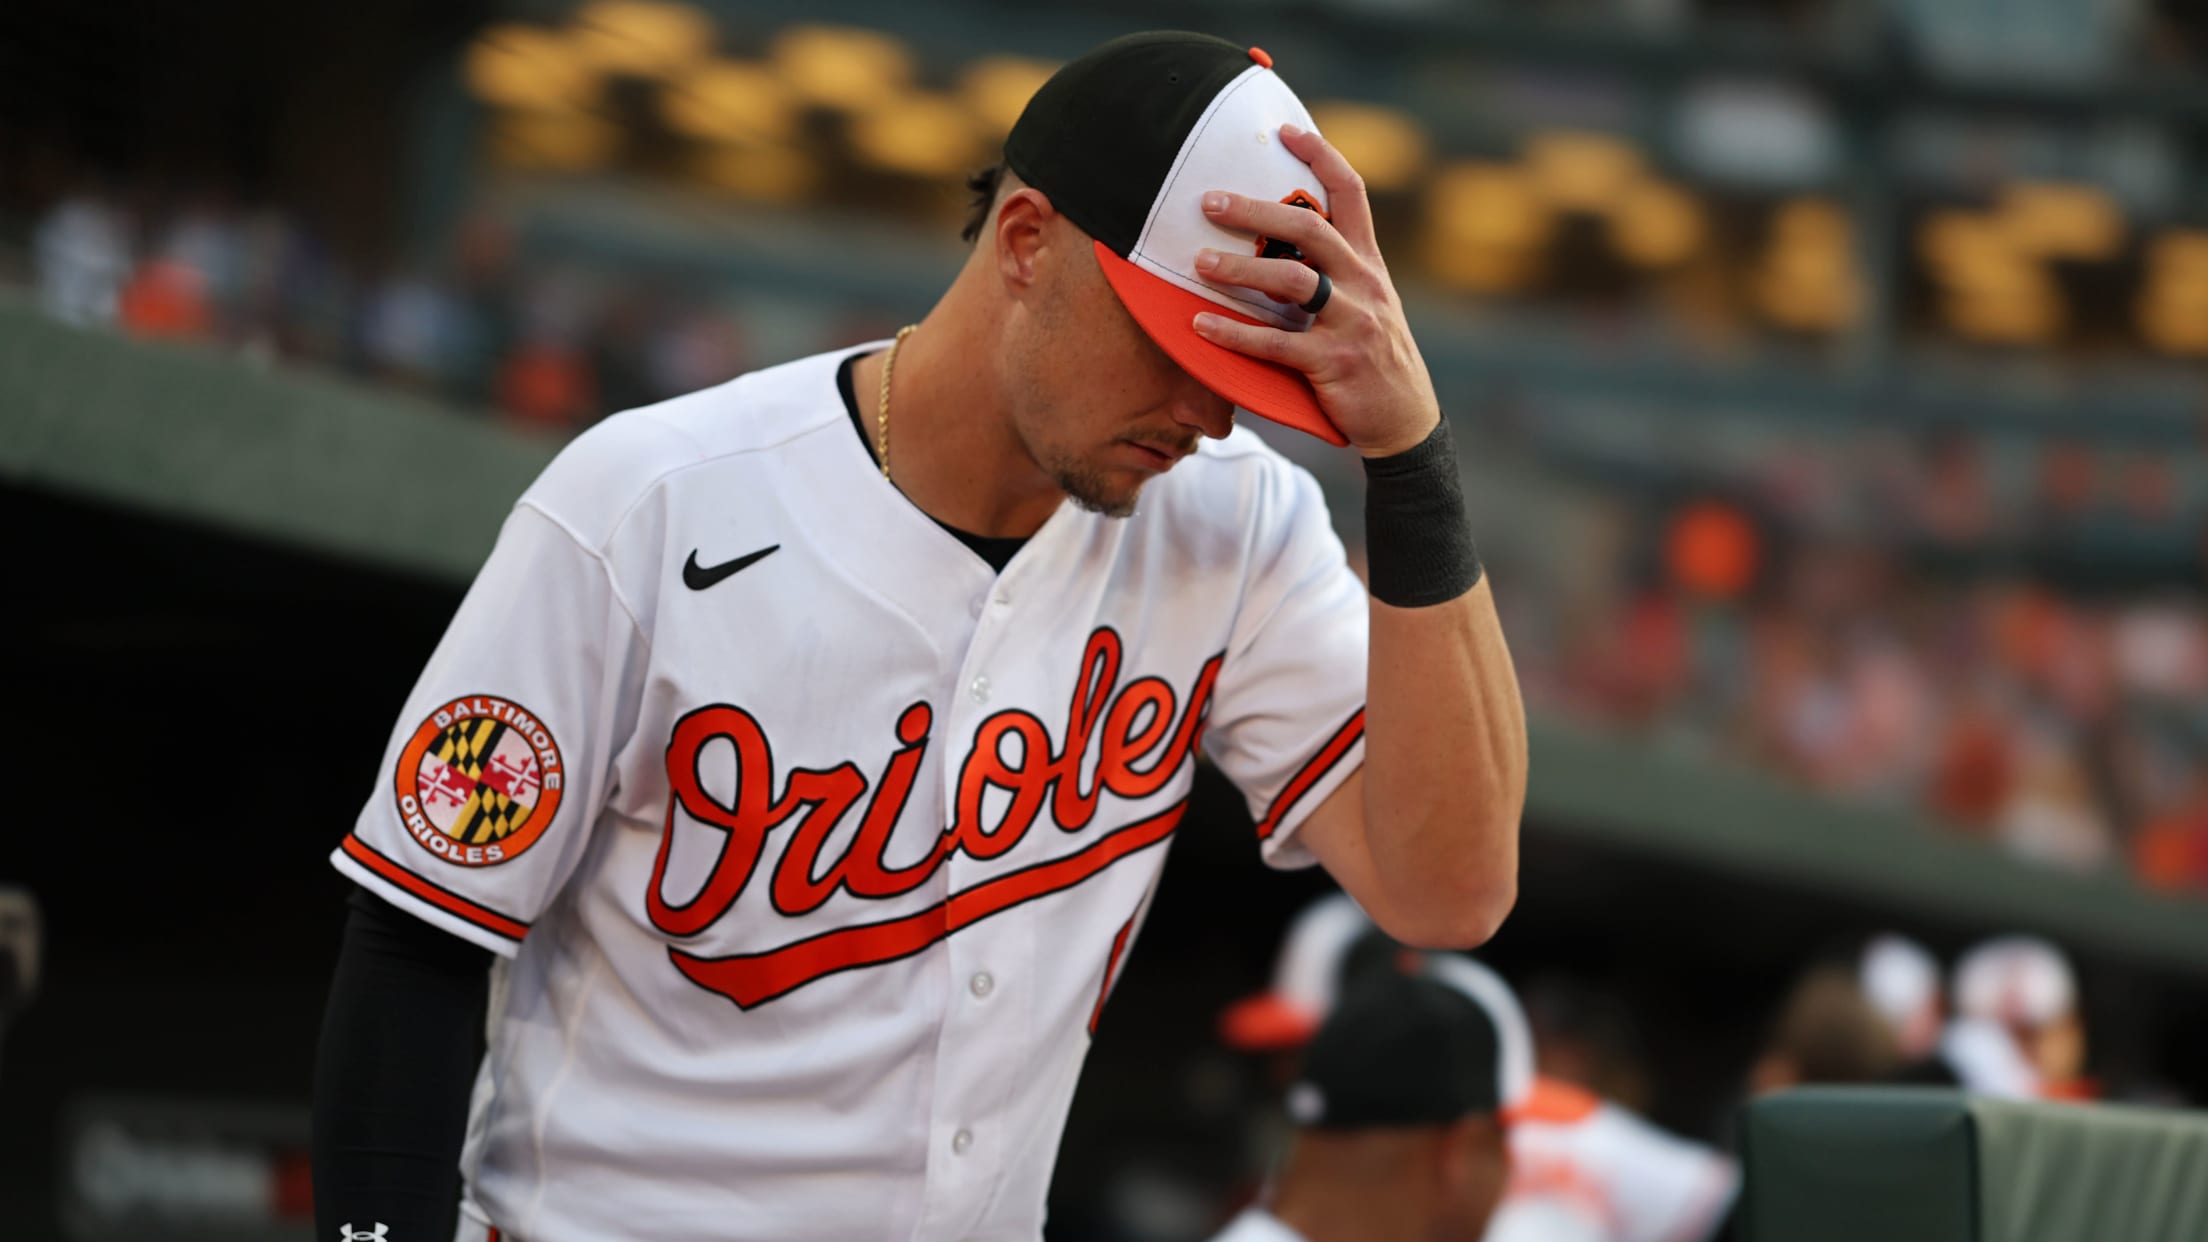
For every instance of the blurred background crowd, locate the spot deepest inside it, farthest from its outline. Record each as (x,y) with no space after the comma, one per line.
(1942,550)
(1832,375)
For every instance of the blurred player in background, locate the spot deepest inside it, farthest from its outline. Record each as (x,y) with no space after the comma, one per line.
(1582,1166)
(1584,1034)
(1901,980)
(1400,1134)
(2017,1032)
(1827,1032)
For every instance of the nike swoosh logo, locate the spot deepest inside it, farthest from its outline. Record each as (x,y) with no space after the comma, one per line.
(698,577)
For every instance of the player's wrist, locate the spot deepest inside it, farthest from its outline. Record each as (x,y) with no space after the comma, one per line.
(1418,537)
(1402,441)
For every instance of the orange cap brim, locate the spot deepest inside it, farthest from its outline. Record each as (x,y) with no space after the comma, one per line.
(1166,312)
(1266,1023)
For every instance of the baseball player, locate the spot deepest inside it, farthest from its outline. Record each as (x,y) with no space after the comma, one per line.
(1581,1167)
(2017,1032)
(1826,1031)
(806,753)
(1901,980)
(1398,1112)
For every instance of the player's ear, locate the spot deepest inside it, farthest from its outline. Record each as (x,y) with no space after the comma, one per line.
(1470,1151)
(1022,231)
(1476,1167)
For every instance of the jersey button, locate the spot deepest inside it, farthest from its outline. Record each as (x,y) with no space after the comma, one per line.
(981,985)
(961,1142)
(980,689)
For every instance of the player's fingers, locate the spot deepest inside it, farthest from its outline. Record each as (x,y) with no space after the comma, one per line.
(1346,199)
(1256,340)
(1284,280)
(1306,230)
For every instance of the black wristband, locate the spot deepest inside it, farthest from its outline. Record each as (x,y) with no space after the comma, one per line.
(1418,541)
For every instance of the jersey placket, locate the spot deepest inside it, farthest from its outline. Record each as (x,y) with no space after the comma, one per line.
(990,965)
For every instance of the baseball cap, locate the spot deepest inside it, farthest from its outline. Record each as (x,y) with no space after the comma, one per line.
(1125,141)
(2020,980)
(1329,944)
(1898,976)
(1400,1050)
(1516,1085)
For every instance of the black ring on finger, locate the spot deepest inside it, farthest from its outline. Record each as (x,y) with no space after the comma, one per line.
(1318,299)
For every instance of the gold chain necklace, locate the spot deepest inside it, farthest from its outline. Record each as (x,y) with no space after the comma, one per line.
(881,405)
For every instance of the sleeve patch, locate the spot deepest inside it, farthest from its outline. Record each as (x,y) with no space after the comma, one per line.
(479,781)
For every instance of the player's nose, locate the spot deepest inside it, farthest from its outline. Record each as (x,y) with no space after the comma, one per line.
(1198,408)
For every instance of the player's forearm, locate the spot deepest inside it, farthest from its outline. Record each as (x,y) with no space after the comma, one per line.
(400,1042)
(1445,768)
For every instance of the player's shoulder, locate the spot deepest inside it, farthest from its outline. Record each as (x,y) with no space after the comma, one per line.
(602,474)
(1621,1125)
(1666,1184)
(1646,1161)
(1239,483)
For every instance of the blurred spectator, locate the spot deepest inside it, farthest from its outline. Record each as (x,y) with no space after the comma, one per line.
(1953,501)
(1791,625)
(1713,550)
(548,384)
(80,251)
(1584,1036)
(1901,980)
(165,298)
(697,351)
(620,351)
(408,324)
(2172,850)
(2052,726)
(206,239)
(1972,772)
(2051,817)
(2017,1029)
(1827,1032)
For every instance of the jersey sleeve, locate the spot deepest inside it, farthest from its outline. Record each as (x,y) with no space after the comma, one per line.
(1287,722)
(1665,1188)
(1546,1217)
(499,761)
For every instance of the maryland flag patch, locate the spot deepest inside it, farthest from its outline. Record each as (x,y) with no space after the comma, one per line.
(479,781)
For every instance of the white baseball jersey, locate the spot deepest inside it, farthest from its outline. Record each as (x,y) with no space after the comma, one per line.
(811,843)
(1582,1167)
(1257,1225)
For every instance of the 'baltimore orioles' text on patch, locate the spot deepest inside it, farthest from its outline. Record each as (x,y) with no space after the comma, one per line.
(479,781)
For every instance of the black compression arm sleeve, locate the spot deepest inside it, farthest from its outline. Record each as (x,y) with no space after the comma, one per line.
(400,1043)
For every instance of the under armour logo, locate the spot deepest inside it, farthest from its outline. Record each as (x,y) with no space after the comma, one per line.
(349,1234)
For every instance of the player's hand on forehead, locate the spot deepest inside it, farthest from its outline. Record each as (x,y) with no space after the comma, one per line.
(1358,352)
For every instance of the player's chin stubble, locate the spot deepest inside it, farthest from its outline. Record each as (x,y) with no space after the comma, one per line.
(1094,490)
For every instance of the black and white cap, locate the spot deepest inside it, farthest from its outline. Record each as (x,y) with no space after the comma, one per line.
(1412,1049)
(1329,944)
(1125,141)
